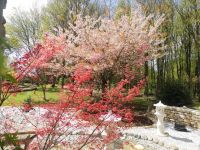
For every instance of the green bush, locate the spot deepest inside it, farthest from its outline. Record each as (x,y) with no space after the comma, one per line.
(175,93)
(28,101)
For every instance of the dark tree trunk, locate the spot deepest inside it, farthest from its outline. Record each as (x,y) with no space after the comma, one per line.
(54,82)
(62,81)
(159,76)
(44,92)
(146,72)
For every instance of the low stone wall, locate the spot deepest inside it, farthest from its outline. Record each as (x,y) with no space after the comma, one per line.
(183,115)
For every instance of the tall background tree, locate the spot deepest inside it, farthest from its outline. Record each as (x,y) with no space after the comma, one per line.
(181,29)
(24,28)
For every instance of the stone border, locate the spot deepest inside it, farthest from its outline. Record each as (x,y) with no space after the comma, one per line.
(154,140)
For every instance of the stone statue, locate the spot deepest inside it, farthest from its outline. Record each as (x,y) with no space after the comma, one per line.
(160,115)
(2,19)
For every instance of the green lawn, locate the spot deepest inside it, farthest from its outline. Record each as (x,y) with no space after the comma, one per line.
(52,95)
(195,105)
(140,103)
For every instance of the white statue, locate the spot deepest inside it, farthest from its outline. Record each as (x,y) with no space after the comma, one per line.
(160,115)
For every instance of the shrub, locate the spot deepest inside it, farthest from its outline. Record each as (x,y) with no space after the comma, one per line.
(27,104)
(175,93)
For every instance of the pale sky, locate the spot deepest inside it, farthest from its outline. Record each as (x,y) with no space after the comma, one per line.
(22,4)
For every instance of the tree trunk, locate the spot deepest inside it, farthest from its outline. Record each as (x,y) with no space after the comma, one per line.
(146,70)
(0,90)
(44,92)
(53,82)
(198,76)
(159,76)
(62,81)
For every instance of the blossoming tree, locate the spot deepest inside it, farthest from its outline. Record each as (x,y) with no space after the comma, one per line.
(33,63)
(92,49)
(109,46)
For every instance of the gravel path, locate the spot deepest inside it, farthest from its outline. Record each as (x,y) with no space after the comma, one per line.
(145,136)
(176,140)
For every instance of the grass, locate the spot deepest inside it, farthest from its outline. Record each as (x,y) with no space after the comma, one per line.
(141,103)
(52,95)
(195,105)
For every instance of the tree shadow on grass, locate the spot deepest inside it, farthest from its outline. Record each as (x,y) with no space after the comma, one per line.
(50,90)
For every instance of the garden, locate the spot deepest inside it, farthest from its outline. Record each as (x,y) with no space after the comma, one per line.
(100,75)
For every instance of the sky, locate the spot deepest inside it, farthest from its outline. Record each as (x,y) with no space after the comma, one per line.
(22,4)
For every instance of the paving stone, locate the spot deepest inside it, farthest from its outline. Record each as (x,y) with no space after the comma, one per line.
(139,147)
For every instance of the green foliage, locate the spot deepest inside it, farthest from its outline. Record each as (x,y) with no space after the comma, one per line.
(13,39)
(123,8)
(10,139)
(57,15)
(28,100)
(175,93)
(5,73)
(181,30)
(3,46)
